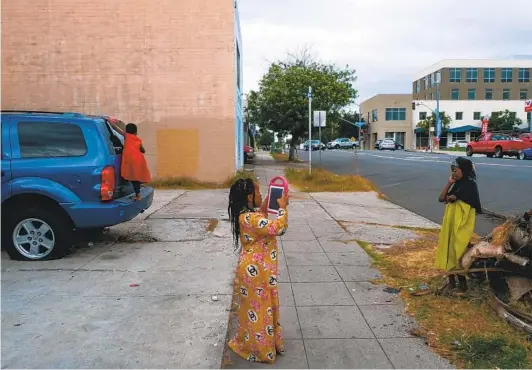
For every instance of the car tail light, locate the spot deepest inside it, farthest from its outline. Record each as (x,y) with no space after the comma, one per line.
(107,188)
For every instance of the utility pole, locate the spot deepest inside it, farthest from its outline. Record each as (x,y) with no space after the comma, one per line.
(309,130)
(438,119)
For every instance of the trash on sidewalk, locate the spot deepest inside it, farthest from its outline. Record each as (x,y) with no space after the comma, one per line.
(132,285)
(214,298)
(391,290)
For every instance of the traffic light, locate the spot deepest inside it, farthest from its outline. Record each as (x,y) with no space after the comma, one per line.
(413,105)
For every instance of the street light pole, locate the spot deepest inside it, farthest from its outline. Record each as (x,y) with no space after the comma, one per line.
(309,130)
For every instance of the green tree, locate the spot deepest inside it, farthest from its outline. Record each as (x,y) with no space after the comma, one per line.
(265,138)
(281,105)
(430,121)
(503,121)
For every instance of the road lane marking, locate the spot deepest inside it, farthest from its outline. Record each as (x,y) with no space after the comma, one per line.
(437,161)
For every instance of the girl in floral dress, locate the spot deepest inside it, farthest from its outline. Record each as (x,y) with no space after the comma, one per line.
(256,299)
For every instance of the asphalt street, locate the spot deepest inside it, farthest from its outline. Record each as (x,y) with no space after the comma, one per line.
(414,180)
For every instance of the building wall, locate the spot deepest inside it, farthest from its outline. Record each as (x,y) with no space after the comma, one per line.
(168,66)
(468,108)
(480,86)
(379,127)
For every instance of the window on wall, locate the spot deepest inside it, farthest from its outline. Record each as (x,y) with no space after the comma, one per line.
(488,94)
(426,82)
(455,94)
(418,86)
(431,80)
(489,75)
(506,75)
(422,116)
(395,114)
(471,75)
(455,75)
(471,94)
(523,94)
(374,115)
(238,69)
(506,94)
(476,116)
(524,75)
(458,136)
(459,116)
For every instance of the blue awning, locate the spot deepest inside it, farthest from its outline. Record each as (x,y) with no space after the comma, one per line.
(467,128)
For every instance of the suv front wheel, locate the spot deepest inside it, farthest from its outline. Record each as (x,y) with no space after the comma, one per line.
(36,234)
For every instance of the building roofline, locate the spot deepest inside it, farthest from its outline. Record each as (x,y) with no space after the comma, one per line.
(473,63)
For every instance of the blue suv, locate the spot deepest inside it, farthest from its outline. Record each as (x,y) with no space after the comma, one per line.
(61,174)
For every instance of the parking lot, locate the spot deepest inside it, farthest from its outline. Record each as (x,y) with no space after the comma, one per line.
(141,296)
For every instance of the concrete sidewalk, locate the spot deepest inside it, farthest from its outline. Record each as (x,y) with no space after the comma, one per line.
(154,293)
(332,315)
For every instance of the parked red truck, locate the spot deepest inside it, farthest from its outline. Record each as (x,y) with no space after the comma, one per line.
(498,145)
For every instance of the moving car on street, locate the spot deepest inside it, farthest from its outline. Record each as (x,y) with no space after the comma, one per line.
(342,143)
(61,174)
(387,144)
(525,154)
(316,145)
(497,145)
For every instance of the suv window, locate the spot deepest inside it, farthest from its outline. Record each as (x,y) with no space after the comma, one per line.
(44,140)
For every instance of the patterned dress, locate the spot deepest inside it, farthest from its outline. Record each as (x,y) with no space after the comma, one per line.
(256,300)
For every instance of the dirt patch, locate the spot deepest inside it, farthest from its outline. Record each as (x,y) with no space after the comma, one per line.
(136,237)
(460,329)
(211,226)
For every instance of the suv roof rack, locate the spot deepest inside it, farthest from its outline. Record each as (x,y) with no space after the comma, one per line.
(21,111)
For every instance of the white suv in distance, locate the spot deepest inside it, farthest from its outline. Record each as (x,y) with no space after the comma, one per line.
(342,143)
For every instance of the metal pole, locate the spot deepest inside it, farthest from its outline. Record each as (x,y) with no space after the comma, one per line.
(438,120)
(310,130)
(530,128)
(319,128)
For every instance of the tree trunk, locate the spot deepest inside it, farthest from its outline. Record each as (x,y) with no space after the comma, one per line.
(293,144)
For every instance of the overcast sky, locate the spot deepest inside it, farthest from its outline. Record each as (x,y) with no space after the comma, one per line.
(386,41)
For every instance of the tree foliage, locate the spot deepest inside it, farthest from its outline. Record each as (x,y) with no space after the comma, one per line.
(281,104)
(265,137)
(430,121)
(502,121)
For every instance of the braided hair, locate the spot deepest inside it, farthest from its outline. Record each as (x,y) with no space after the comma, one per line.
(239,203)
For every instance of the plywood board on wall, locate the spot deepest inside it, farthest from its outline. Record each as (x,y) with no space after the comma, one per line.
(177,152)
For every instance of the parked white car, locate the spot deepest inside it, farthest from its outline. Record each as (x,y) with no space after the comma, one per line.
(387,144)
(460,143)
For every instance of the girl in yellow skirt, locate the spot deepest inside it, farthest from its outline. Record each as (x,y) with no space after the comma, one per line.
(462,205)
(256,299)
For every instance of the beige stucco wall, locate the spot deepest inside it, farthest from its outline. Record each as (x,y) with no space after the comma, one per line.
(166,65)
(381,126)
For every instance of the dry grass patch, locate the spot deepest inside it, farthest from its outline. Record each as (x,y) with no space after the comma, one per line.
(324,181)
(466,331)
(280,157)
(192,184)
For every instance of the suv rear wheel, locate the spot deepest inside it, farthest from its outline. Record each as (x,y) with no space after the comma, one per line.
(36,234)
